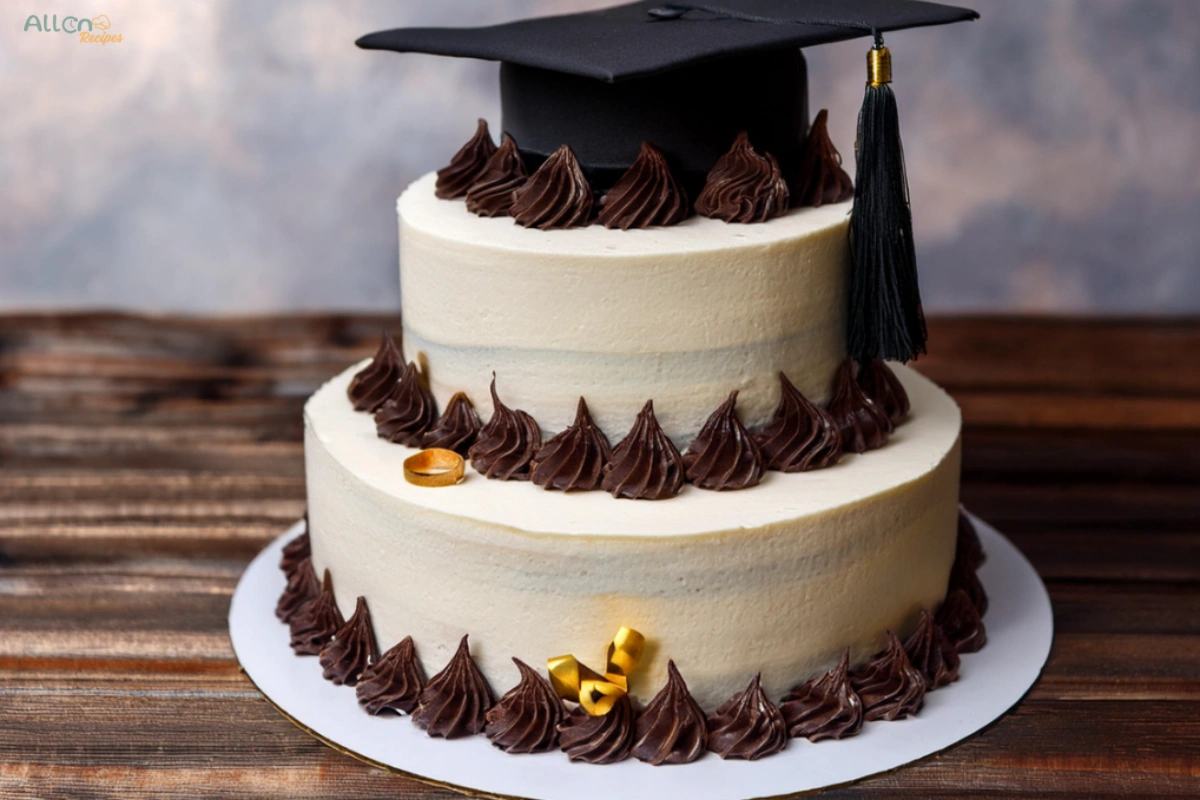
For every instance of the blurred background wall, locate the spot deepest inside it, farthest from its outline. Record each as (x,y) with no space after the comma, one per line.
(229,156)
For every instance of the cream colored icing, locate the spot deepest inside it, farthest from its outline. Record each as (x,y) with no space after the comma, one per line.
(778,578)
(682,314)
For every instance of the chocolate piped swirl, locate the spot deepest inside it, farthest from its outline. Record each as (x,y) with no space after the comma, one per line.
(747,726)
(645,465)
(316,622)
(820,179)
(744,186)
(863,424)
(526,718)
(801,435)
(672,729)
(394,682)
(409,412)
(963,576)
(879,383)
(932,653)
(557,195)
(605,739)
(456,429)
(467,166)
(967,547)
(372,385)
(507,444)
(825,706)
(492,194)
(889,685)
(961,624)
(724,455)
(295,551)
(646,195)
(352,650)
(455,701)
(574,459)
(968,555)
(302,586)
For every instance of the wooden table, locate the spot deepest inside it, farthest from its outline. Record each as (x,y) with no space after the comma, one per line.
(144,461)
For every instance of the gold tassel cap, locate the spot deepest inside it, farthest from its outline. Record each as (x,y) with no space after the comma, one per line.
(879,66)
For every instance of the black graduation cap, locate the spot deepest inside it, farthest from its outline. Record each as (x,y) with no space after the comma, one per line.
(688,78)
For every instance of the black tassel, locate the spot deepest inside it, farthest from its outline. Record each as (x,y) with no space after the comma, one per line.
(886,320)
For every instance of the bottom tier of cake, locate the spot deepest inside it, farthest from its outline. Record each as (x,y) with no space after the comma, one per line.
(777,579)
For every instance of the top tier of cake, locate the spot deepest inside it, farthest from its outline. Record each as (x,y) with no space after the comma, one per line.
(681,315)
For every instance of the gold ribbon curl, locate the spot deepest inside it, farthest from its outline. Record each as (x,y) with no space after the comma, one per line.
(597,693)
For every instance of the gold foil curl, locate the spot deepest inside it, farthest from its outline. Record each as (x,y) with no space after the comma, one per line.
(597,693)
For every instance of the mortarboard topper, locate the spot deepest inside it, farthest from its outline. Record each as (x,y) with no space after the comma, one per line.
(689,78)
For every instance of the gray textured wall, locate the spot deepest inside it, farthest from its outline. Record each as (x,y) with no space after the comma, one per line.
(245,156)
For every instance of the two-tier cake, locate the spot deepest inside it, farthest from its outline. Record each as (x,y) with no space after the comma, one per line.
(699,508)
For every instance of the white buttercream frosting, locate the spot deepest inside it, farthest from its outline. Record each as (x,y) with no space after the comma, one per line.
(778,578)
(682,314)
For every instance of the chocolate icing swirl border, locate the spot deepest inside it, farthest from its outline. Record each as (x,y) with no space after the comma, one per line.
(394,682)
(352,649)
(863,424)
(647,195)
(504,173)
(961,623)
(673,728)
(573,460)
(457,428)
(408,412)
(526,718)
(801,435)
(889,685)
(747,726)
(467,165)
(744,186)
(455,702)
(316,622)
(820,179)
(506,446)
(556,195)
(881,385)
(825,706)
(724,456)
(372,385)
(302,587)
(296,551)
(932,653)
(645,465)
(605,739)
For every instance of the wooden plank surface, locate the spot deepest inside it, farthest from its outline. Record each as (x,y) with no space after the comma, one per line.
(143,462)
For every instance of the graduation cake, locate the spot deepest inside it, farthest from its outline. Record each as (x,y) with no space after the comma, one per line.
(645,475)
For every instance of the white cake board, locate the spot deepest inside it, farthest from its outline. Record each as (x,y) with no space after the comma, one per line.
(1019,631)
